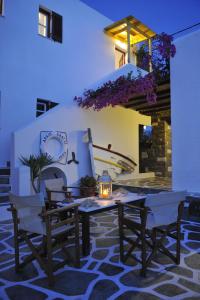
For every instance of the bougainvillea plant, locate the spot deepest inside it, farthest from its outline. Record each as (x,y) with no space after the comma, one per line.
(162,50)
(119,91)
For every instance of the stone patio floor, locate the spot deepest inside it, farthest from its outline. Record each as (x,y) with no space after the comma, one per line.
(163,183)
(101,275)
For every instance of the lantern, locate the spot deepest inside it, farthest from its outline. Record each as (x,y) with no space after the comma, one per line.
(105,186)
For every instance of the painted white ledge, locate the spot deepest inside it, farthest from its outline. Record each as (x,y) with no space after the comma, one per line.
(124,70)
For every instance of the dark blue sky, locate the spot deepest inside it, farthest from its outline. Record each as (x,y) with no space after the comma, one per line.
(169,16)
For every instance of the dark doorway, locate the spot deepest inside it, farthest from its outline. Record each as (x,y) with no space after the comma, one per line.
(145,144)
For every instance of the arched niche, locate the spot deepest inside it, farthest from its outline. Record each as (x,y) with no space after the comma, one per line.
(51,173)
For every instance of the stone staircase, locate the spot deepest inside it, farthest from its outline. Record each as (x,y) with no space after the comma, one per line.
(4,184)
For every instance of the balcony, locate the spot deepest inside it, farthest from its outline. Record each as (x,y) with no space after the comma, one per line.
(128,35)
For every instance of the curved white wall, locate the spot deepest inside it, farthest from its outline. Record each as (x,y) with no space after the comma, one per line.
(117,126)
(185,108)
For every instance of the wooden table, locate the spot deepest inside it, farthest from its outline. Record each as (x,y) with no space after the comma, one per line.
(104,205)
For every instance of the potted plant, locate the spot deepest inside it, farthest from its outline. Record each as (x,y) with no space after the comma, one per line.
(88,186)
(36,165)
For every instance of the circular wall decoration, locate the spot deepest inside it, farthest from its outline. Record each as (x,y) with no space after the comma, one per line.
(54,144)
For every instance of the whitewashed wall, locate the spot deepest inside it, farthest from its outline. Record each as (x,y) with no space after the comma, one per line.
(185,106)
(34,67)
(117,126)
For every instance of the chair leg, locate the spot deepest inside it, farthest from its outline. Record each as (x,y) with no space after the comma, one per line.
(143,255)
(121,233)
(49,270)
(77,243)
(178,244)
(16,242)
(121,249)
(17,262)
(143,216)
(44,245)
(154,246)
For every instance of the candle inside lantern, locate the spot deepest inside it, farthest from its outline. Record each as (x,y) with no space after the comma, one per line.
(105,186)
(105,193)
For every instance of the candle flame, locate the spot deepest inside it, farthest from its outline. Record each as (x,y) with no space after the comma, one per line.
(105,192)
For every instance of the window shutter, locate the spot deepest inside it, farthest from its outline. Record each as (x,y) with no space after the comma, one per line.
(1,7)
(56,27)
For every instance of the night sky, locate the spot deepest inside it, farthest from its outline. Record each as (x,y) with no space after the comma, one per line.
(167,16)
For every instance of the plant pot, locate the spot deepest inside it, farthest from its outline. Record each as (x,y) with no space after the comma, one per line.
(87,191)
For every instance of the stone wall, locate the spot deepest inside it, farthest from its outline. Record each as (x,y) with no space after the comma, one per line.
(160,159)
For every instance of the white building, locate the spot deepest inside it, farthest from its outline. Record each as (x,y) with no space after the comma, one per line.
(185,107)
(37,67)
(56,50)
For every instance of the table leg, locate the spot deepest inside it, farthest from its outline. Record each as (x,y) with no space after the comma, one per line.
(85,234)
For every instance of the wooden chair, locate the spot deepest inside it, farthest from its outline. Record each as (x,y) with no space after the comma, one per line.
(31,219)
(159,218)
(57,191)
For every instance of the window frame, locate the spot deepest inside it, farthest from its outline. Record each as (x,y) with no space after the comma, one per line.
(48,26)
(47,104)
(1,8)
(123,54)
(54,25)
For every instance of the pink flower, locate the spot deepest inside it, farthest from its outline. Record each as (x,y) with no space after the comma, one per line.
(122,89)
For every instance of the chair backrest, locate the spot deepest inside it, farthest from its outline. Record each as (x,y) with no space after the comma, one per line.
(164,206)
(28,210)
(55,184)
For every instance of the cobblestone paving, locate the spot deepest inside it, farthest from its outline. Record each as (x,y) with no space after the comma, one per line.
(101,275)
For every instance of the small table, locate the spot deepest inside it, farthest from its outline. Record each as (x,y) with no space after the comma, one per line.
(104,205)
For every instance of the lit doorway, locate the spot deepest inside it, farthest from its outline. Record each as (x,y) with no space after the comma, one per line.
(120,58)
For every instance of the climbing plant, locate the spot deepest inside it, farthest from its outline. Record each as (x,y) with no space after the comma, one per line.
(119,91)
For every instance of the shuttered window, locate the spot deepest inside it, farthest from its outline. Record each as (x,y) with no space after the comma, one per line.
(56,27)
(50,24)
(1,7)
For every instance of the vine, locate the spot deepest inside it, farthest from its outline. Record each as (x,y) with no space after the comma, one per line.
(119,91)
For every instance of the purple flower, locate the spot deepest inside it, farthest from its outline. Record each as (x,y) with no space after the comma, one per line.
(122,89)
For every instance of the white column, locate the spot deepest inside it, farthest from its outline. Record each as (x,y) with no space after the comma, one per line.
(150,53)
(128,42)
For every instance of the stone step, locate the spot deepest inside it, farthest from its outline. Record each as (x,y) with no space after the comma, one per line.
(4,198)
(2,194)
(4,188)
(4,171)
(4,179)
(4,184)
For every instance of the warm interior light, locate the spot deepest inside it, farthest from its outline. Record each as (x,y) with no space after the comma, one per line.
(121,44)
(105,192)
(123,33)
